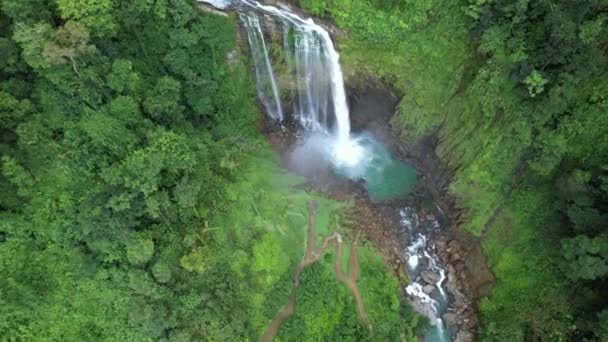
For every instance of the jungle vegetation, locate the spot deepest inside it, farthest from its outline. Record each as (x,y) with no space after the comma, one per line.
(140,203)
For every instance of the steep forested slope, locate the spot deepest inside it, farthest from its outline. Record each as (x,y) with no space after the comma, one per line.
(515,93)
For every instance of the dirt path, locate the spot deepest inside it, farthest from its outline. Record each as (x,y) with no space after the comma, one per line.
(350,280)
(312,255)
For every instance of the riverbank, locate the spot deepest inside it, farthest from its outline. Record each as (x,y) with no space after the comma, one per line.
(469,278)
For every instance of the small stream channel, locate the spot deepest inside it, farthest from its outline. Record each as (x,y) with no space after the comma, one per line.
(427,289)
(304,84)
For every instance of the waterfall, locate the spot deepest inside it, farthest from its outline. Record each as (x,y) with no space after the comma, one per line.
(313,70)
(265,80)
(319,81)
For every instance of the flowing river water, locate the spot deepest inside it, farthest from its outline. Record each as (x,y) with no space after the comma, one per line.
(310,90)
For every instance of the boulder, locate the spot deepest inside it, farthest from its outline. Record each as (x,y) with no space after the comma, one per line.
(459,265)
(450,318)
(430,277)
(464,336)
(455,250)
(428,289)
(459,300)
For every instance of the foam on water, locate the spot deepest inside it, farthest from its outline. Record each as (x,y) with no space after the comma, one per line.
(421,258)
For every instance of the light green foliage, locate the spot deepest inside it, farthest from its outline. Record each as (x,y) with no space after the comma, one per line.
(194,261)
(161,272)
(123,79)
(163,101)
(69,41)
(45,47)
(590,30)
(32,40)
(535,82)
(108,132)
(97,15)
(268,262)
(140,250)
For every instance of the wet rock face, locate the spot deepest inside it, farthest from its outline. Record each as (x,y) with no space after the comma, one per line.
(450,318)
(371,108)
(468,279)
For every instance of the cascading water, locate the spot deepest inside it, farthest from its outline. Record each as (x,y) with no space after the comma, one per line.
(320,83)
(428,277)
(311,60)
(266,83)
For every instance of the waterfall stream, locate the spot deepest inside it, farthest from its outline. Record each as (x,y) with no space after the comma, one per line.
(320,83)
(310,72)
(428,277)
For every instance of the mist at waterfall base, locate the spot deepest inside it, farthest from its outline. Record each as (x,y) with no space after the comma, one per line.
(360,158)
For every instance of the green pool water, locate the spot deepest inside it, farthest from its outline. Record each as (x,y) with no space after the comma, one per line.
(386,178)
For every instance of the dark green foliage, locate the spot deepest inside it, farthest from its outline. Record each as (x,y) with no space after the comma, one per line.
(102,171)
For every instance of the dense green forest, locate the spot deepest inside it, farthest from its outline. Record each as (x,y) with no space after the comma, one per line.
(516,91)
(140,203)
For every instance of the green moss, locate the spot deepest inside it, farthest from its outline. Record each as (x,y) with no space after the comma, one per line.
(530,297)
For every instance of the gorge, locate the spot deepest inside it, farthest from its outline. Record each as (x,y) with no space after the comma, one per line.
(306,170)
